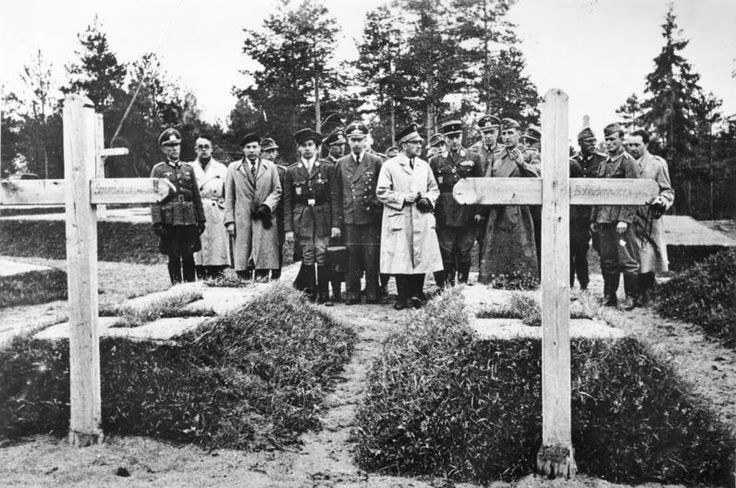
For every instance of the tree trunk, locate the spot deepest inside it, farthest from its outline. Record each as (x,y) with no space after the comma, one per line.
(393,123)
(317,115)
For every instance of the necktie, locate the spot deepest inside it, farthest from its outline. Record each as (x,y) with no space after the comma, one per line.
(411,164)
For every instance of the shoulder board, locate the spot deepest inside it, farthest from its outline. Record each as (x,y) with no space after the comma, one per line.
(158,164)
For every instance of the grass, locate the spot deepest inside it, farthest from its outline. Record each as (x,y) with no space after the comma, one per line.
(525,307)
(172,304)
(33,287)
(254,379)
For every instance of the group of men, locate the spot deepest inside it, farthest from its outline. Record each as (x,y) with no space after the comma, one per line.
(395,215)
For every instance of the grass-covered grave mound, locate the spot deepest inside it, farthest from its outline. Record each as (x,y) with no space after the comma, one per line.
(704,294)
(250,380)
(442,401)
(33,287)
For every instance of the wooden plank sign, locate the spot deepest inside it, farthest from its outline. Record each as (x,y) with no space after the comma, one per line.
(102,191)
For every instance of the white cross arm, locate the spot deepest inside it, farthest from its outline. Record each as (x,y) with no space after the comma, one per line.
(528,191)
(102,191)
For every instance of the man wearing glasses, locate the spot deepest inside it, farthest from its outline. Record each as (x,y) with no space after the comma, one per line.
(214,256)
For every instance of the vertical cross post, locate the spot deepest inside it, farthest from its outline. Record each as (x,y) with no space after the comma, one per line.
(80,160)
(555,458)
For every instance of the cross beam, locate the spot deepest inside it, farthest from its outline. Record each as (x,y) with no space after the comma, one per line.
(555,192)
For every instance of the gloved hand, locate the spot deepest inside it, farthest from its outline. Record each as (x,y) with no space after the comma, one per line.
(424,205)
(658,208)
(158,229)
(200,228)
(263,213)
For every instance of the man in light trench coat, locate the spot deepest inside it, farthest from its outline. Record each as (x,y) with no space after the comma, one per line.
(409,247)
(252,192)
(211,174)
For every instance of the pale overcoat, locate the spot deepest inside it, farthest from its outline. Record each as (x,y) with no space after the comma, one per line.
(215,240)
(408,237)
(243,195)
(650,231)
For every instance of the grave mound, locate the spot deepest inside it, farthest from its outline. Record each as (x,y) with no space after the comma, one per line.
(26,284)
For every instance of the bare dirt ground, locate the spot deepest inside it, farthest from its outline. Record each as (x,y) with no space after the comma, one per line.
(325,458)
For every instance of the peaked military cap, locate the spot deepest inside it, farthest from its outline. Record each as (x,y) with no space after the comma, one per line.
(169,137)
(488,122)
(452,127)
(410,133)
(337,136)
(509,123)
(436,140)
(585,134)
(612,128)
(357,129)
(532,133)
(305,135)
(249,138)
(268,143)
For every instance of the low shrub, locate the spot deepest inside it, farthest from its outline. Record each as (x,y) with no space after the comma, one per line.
(33,287)
(440,401)
(253,379)
(704,294)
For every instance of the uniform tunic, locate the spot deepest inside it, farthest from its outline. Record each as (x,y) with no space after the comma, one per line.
(255,247)
(408,237)
(215,240)
(650,231)
(509,247)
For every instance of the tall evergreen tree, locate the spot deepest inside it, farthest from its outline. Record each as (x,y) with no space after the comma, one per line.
(631,112)
(97,72)
(511,93)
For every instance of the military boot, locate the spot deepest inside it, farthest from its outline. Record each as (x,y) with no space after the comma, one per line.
(323,280)
(631,287)
(463,273)
(610,286)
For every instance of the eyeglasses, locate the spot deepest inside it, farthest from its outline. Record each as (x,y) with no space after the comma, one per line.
(452,136)
(203,146)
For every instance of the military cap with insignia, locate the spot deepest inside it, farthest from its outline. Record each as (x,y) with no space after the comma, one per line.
(532,133)
(452,127)
(304,135)
(249,138)
(268,143)
(169,137)
(586,133)
(436,140)
(336,137)
(488,122)
(410,133)
(613,128)
(509,123)
(357,129)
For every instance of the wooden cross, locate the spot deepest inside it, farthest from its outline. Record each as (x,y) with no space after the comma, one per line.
(555,192)
(81,192)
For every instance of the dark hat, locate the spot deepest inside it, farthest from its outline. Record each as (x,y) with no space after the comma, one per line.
(509,123)
(452,127)
(488,122)
(267,144)
(409,133)
(305,135)
(611,128)
(436,139)
(248,138)
(169,137)
(585,134)
(336,137)
(357,129)
(533,134)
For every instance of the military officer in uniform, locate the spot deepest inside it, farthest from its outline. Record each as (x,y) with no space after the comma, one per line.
(584,164)
(532,139)
(489,150)
(311,213)
(360,218)
(456,229)
(619,253)
(437,145)
(179,219)
(335,143)
(270,152)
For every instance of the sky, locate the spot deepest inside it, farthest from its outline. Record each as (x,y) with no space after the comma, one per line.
(598,51)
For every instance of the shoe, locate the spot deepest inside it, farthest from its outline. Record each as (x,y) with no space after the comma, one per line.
(400,304)
(629,304)
(416,302)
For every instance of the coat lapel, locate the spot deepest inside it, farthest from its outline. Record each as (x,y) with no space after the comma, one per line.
(360,169)
(243,168)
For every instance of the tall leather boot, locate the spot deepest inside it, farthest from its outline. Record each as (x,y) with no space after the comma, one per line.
(310,282)
(646,282)
(631,286)
(610,286)
(440,277)
(463,273)
(323,281)
(299,281)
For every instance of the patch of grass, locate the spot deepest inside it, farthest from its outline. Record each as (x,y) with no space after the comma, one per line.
(515,281)
(440,401)
(253,379)
(228,279)
(704,294)
(33,287)
(173,304)
(525,307)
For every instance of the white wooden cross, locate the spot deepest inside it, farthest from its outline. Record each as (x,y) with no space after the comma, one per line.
(81,192)
(555,191)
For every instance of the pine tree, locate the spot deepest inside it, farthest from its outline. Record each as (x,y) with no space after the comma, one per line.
(97,72)
(631,112)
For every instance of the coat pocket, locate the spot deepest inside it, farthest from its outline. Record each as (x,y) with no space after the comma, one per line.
(396,220)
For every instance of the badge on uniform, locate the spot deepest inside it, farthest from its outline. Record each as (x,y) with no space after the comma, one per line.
(298,190)
(311,202)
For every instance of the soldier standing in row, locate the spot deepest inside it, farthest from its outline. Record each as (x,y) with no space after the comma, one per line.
(252,193)
(456,223)
(335,143)
(214,256)
(509,247)
(310,213)
(179,219)
(619,252)
(356,178)
(585,164)
(489,151)
(409,248)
